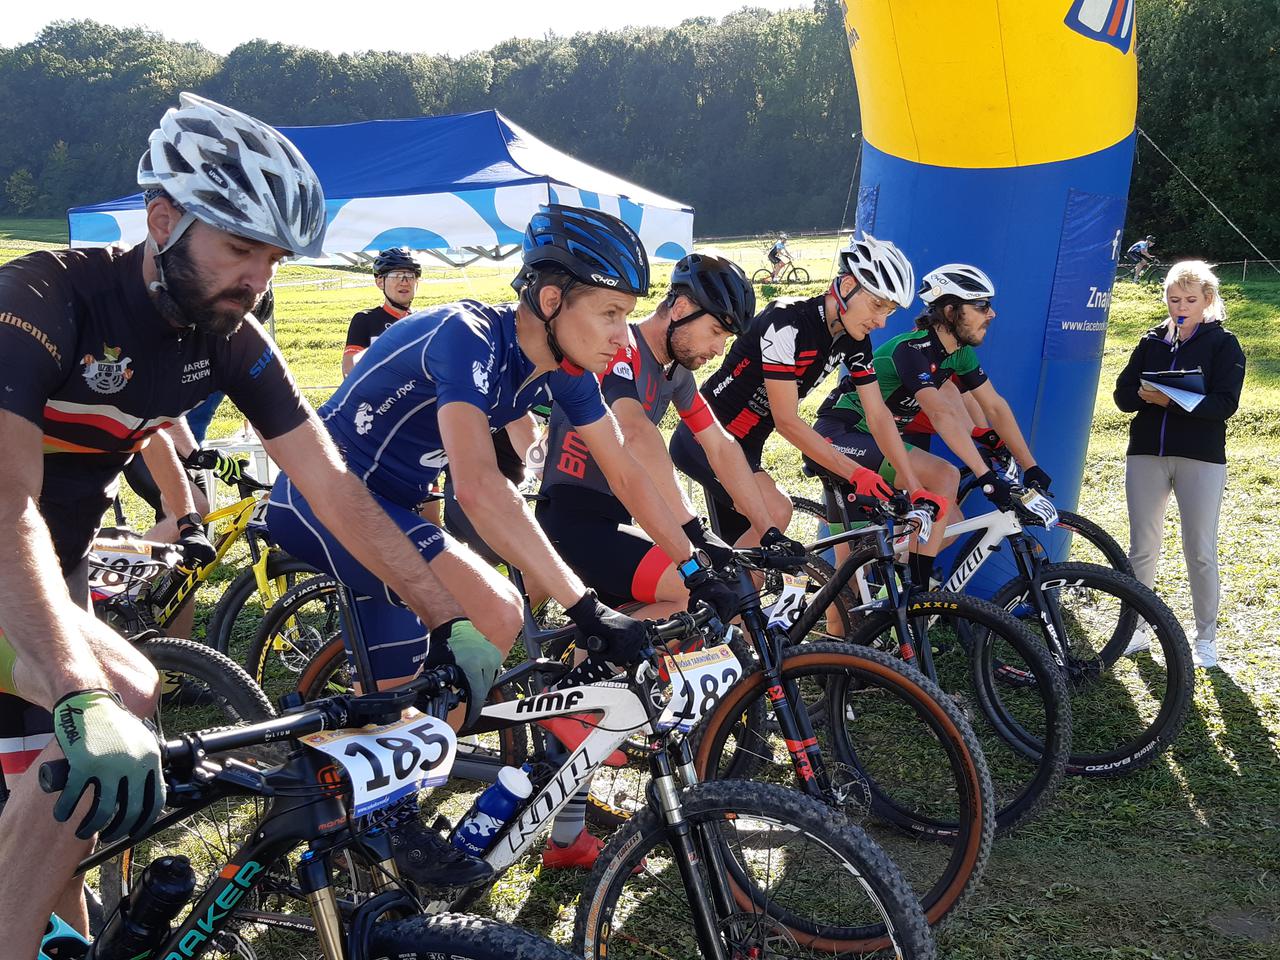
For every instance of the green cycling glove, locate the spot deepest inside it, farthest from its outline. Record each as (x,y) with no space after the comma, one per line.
(477,658)
(116,757)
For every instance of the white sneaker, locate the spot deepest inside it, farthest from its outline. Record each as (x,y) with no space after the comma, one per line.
(1140,642)
(1205,654)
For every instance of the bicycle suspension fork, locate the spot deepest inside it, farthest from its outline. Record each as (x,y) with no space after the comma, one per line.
(1046,605)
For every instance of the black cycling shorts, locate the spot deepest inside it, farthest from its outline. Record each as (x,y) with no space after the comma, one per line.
(595,536)
(690,459)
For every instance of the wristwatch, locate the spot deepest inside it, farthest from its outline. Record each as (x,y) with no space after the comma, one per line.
(192,521)
(700,560)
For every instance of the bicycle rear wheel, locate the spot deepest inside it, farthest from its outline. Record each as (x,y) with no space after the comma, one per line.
(763,275)
(306,620)
(901,760)
(241,607)
(1126,710)
(803,881)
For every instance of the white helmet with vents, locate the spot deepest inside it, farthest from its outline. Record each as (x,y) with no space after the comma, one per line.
(957,280)
(880,267)
(235,173)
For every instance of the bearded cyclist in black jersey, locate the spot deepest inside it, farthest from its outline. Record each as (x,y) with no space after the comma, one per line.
(924,376)
(99,349)
(792,346)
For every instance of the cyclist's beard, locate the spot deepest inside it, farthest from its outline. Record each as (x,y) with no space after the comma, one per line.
(681,352)
(219,313)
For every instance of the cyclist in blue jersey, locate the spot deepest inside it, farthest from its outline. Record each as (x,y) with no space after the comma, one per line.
(432,390)
(1139,254)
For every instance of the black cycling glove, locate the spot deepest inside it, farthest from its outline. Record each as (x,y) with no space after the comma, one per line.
(778,542)
(1036,477)
(621,639)
(706,586)
(196,549)
(1001,494)
(702,538)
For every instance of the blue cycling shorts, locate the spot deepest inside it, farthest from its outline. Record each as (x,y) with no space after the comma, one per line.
(395,638)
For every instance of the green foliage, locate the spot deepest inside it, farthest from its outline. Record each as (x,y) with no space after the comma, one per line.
(749,117)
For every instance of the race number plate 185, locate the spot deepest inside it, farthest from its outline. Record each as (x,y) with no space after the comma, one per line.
(388,762)
(790,603)
(698,680)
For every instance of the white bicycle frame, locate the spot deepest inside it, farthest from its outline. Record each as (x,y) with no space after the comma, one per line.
(621,714)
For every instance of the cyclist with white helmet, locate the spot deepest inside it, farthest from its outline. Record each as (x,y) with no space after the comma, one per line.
(923,376)
(396,272)
(99,349)
(792,346)
(433,389)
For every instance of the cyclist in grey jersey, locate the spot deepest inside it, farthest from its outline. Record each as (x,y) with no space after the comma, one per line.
(709,300)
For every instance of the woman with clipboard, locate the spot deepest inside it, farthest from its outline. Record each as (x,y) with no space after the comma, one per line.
(1183,382)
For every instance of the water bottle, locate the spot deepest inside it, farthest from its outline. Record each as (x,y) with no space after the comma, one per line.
(498,804)
(62,941)
(142,922)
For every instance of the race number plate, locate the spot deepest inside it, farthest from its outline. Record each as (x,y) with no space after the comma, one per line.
(790,604)
(117,568)
(1042,508)
(698,680)
(389,762)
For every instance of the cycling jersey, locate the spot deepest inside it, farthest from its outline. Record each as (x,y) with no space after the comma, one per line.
(789,340)
(384,416)
(85,356)
(776,251)
(635,374)
(904,366)
(1141,248)
(367,325)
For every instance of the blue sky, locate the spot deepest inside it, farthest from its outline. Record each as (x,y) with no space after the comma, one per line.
(426,26)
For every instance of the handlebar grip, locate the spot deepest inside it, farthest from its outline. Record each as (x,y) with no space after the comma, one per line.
(53,775)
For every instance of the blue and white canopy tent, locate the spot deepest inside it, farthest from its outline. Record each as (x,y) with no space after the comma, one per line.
(466,183)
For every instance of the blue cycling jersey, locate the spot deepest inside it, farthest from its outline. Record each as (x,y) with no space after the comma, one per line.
(384,416)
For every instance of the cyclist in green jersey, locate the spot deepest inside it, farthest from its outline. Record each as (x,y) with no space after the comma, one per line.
(924,376)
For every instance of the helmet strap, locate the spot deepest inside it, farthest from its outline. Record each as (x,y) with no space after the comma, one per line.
(670,369)
(842,303)
(169,308)
(533,302)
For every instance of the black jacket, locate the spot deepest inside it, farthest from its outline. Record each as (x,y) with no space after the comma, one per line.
(1200,434)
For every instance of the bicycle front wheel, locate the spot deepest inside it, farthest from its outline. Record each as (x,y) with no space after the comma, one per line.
(1012,692)
(799,881)
(241,607)
(1126,710)
(459,937)
(296,628)
(797,275)
(896,752)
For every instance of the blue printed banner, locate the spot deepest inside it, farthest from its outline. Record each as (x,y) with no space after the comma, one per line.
(1076,325)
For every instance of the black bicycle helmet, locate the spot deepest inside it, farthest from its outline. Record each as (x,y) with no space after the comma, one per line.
(396,258)
(593,247)
(719,287)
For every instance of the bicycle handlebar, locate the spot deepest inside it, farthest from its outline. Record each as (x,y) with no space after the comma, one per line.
(332,713)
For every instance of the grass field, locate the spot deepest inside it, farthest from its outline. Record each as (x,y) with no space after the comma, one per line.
(1179,861)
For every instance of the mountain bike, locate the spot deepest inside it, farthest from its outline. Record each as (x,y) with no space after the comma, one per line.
(989,662)
(244,826)
(135,589)
(1125,711)
(858,730)
(791,274)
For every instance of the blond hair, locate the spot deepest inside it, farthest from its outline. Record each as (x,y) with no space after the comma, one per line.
(1197,273)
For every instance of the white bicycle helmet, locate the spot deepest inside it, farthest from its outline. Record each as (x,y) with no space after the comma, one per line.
(880,267)
(235,173)
(957,280)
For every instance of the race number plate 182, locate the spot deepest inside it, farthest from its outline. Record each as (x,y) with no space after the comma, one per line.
(698,679)
(388,762)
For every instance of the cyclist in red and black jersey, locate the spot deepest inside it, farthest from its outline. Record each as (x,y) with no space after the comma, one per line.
(99,349)
(791,348)
(396,272)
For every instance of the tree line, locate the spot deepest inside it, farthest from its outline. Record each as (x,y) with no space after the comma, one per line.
(751,118)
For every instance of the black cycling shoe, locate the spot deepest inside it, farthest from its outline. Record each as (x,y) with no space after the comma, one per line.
(427,858)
